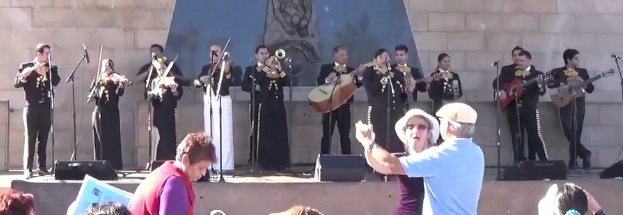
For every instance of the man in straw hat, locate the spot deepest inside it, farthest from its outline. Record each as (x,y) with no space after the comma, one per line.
(452,172)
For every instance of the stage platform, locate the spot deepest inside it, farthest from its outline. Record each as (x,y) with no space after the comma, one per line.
(263,194)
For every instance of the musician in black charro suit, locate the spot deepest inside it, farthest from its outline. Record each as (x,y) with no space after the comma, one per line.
(163,99)
(35,77)
(511,113)
(402,56)
(445,85)
(560,78)
(526,106)
(383,97)
(328,75)
(261,54)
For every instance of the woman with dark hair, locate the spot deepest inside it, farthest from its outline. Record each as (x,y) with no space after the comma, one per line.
(15,202)
(105,120)
(385,88)
(417,130)
(445,86)
(569,199)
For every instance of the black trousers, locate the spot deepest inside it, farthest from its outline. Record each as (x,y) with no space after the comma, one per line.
(107,135)
(342,117)
(565,114)
(37,121)
(526,119)
(253,138)
(165,123)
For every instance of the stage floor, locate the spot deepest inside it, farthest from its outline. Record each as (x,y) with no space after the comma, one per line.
(301,174)
(271,192)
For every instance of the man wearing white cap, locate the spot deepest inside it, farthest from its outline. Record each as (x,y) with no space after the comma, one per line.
(452,172)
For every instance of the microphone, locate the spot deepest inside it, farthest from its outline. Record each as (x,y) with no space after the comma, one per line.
(615,56)
(496,63)
(86,53)
(252,61)
(213,53)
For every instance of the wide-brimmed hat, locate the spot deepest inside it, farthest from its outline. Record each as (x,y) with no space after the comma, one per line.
(402,123)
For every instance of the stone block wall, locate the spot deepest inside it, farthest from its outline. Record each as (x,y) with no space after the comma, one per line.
(474,32)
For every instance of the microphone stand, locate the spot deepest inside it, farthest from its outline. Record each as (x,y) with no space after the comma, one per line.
(253,114)
(289,62)
(389,107)
(220,108)
(150,159)
(573,131)
(52,96)
(497,118)
(337,79)
(70,79)
(616,60)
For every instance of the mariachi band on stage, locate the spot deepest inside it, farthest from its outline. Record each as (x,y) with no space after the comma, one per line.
(391,90)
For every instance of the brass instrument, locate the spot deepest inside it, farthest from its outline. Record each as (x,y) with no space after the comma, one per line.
(274,61)
(280,54)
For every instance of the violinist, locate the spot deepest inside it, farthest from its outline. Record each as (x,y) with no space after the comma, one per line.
(386,90)
(35,77)
(273,149)
(106,122)
(165,89)
(217,109)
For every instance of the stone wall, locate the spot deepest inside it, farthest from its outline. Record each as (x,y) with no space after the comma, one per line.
(125,28)
(474,32)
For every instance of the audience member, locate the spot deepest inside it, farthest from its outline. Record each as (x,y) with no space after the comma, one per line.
(167,190)
(15,202)
(452,172)
(568,199)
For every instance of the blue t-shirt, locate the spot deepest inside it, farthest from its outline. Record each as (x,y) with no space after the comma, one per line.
(452,173)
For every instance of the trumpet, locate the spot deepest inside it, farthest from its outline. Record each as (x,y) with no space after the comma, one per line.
(280,54)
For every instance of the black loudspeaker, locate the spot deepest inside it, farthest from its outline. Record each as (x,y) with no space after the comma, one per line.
(614,171)
(535,170)
(340,168)
(76,170)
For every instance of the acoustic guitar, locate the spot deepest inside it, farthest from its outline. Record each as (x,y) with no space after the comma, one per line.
(323,100)
(515,89)
(565,95)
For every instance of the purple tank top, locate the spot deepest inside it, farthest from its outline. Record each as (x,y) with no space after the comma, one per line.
(411,195)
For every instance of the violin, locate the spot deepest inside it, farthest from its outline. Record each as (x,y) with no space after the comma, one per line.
(117,79)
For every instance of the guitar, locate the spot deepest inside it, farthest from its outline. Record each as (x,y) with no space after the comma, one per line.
(515,89)
(342,89)
(564,94)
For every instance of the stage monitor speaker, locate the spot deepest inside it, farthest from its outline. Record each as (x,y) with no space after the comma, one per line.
(76,170)
(614,171)
(339,168)
(535,170)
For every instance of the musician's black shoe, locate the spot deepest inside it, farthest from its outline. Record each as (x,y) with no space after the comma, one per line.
(572,165)
(28,173)
(42,172)
(586,160)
